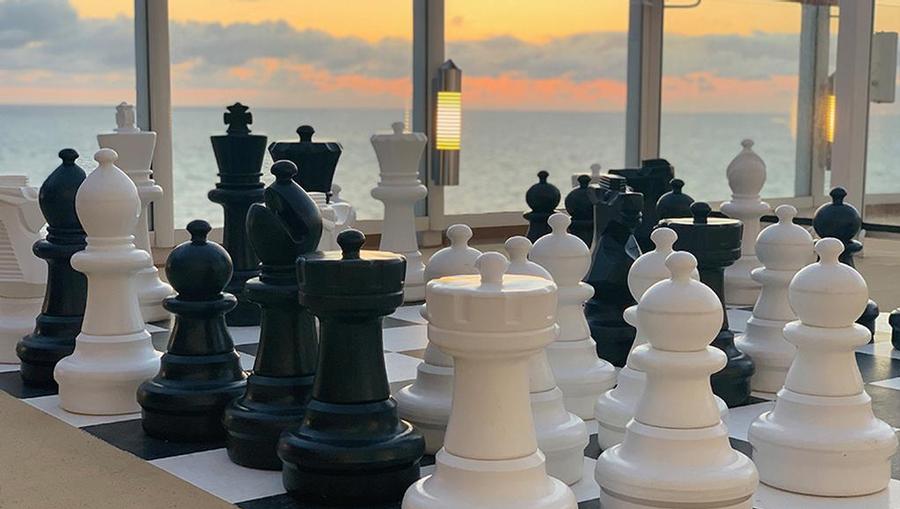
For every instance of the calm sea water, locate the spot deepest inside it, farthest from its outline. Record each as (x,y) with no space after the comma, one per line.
(502,150)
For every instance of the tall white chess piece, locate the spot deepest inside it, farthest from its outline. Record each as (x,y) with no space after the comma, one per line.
(676,451)
(113,353)
(492,325)
(822,437)
(135,149)
(581,375)
(399,188)
(23,276)
(344,210)
(746,177)
(334,221)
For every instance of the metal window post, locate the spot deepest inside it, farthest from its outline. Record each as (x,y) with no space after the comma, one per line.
(645,51)
(154,106)
(810,165)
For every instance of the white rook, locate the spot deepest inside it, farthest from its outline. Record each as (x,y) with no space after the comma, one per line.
(399,188)
(113,353)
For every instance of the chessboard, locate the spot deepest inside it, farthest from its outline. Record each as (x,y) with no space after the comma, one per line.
(206,465)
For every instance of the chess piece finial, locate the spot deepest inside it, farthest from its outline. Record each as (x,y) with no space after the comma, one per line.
(283,170)
(542,198)
(397,127)
(351,242)
(492,266)
(700,211)
(579,206)
(675,203)
(459,235)
(559,222)
(238,119)
(306,133)
(125,119)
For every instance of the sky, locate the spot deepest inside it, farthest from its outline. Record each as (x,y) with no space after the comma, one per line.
(726,55)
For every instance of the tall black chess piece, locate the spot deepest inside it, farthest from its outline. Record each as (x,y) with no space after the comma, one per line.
(716,243)
(543,198)
(239,155)
(316,160)
(66,294)
(617,212)
(581,210)
(200,372)
(652,179)
(288,226)
(674,203)
(352,447)
(843,222)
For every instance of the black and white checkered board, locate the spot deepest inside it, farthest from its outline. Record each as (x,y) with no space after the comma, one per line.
(207,466)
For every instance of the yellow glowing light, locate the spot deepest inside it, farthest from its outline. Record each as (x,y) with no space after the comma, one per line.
(449,120)
(830,109)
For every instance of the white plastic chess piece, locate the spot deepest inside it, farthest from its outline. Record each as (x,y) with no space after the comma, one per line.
(333,222)
(426,402)
(492,325)
(822,437)
(746,177)
(676,451)
(399,188)
(614,408)
(346,213)
(23,276)
(561,436)
(135,149)
(113,353)
(580,374)
(783,248)
(596,171)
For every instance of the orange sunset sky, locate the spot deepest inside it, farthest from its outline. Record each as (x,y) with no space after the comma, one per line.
(503,46)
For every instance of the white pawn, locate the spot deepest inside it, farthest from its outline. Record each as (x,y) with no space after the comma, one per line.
(135,149)
(113,353)
(426,401)
(822,437)
(561,436)
(783,248)
(580,374)
(23,276)
(492,325)
(331,223)
(399,188)
(676,451)
(344,210)
(746,177)
(596,170)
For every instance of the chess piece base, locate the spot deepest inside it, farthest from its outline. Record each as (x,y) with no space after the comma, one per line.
(579,374)
(426,403)
(255,422)
(102,375)
(702,470)
(39,353)
(740,288)
(520,483)
(151,292)
(832,447)
(561,436)
(772,355)
(16,321)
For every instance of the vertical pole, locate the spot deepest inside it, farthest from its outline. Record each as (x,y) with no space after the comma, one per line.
(848,156)
(645,50)
(812,87)
(154,106)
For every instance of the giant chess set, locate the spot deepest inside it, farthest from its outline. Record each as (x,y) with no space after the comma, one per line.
(639,350)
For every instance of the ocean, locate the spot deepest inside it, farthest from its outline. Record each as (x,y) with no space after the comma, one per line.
(502,151)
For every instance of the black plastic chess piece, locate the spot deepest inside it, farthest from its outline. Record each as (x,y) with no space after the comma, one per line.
(617,212)
(674,203)
(316,160)
(652,179)
(716,243)
(239,155)
(352,447)
(581,209)
(66,294)
(543,198)
(843,222)
(288,226)
(200,372)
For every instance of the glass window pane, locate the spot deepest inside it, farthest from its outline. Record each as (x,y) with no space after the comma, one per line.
(543,88)
(730,71)
(64,66)
(342,67)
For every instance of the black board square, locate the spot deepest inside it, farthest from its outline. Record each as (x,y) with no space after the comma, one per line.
(129,436)
(11,383)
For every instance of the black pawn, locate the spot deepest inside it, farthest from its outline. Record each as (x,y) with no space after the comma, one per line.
(200,371)
(316,160)
(716,243)
(288,226)
(64,299)
(239,155)
(617,212)
(842,221)
(581,209)
(652,179)
(675,203)
(352,448)
(543,198)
